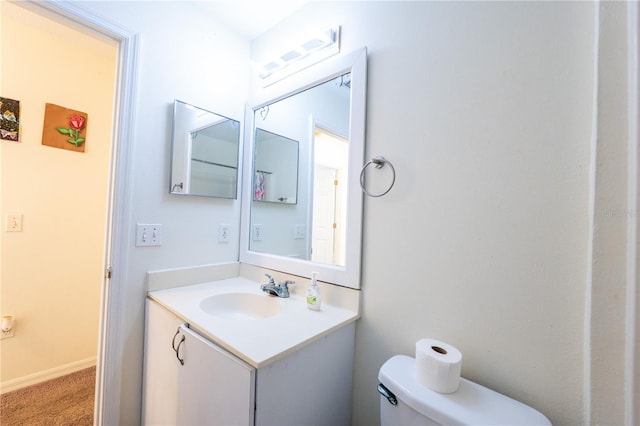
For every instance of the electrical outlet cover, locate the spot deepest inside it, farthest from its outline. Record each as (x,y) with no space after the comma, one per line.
(256,235)
(224,233)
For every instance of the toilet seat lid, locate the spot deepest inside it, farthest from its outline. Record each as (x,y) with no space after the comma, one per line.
(471,404)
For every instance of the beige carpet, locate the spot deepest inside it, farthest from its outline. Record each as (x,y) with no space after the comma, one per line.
(67,400)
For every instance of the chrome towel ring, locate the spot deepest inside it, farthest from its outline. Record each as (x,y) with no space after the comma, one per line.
(379,163)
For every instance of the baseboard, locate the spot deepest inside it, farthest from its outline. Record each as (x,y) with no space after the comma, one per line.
(42,376)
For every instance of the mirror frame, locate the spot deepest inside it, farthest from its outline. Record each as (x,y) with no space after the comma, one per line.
(349,274)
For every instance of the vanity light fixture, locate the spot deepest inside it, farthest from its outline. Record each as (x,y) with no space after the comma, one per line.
(320,46)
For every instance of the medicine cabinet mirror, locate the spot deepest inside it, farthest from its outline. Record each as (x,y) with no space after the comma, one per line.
(275,176)
(204,158)
(315,123)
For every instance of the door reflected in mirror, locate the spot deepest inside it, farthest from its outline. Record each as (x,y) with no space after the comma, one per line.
(330,172)
(301,153)
(204,158)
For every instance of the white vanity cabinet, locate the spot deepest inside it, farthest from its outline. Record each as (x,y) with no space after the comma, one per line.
(189,380)
(308,385)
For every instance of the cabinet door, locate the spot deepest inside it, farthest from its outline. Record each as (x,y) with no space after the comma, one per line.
(160,385)
(214,387)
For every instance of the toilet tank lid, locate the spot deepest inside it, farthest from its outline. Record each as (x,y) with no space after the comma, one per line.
(471,404)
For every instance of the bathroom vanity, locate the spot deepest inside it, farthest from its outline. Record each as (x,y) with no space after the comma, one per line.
(219,351)
(224,352)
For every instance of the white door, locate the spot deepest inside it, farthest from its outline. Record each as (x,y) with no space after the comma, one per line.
(330,154)
(324,207)
(214,387)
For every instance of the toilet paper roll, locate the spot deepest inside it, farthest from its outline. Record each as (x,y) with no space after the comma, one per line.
(438,365)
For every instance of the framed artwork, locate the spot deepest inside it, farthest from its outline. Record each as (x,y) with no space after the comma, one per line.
(9,119)
(64,128)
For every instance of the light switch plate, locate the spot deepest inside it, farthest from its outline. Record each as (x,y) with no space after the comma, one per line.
(14,223)
(148,235)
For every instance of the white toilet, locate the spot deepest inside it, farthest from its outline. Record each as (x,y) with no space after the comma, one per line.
(404,401)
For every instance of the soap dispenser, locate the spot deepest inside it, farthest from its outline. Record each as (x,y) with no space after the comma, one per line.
(313,293)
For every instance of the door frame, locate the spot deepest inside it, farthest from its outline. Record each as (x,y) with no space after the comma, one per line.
(632,320)
(119,223)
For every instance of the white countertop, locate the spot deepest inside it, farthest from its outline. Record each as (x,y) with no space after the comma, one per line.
(256,341)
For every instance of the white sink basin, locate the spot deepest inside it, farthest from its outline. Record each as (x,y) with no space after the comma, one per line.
(241,306)
(243,320)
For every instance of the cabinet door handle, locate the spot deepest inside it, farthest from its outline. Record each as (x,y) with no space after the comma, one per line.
(178,350)
(173,342)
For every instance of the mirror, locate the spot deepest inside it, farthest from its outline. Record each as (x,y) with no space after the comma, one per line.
(320,111)
(275,170)
(204,158)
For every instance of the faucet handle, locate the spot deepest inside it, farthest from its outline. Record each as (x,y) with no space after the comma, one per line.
(283,288)
(271,281)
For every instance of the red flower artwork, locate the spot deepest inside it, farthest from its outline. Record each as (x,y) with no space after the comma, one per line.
(76,125)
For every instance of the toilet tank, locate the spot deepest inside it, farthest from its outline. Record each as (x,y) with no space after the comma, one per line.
(471,404)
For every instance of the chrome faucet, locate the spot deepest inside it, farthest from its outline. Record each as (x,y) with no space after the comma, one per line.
(270,287)
(280,290)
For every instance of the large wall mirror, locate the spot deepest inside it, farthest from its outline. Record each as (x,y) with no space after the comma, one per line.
(204,158)
(314,122)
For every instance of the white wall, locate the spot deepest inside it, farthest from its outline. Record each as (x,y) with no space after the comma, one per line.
(485,110)
(52,271)
(184,54)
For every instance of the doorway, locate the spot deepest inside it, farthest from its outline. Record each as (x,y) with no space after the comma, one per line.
(329,197)
(53,270)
